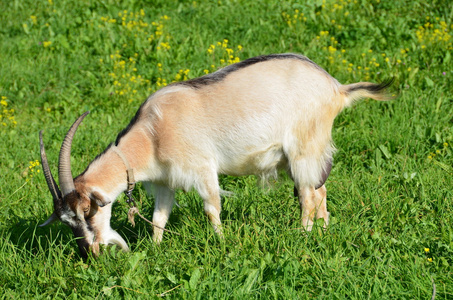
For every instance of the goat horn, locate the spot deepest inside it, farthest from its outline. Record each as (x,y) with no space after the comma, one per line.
(53,187)
(64,164)
(53,217)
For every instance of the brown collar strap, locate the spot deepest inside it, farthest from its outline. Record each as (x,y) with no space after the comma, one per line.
(129,170)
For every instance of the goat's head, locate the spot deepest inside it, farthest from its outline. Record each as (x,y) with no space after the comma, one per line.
(73,204)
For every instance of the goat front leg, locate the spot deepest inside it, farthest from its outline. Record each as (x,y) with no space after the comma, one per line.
(313,205)
(165,198)
(212,209)
(209,190)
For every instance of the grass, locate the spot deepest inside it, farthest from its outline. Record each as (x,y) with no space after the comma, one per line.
(389,192)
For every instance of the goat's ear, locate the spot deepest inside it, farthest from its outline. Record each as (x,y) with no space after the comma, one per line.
(99,199)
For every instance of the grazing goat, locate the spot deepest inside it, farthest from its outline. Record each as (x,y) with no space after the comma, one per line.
(254,117)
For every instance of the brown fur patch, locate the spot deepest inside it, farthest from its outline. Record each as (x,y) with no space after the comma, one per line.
(78,202)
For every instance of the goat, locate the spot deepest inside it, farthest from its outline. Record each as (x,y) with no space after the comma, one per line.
(254,117)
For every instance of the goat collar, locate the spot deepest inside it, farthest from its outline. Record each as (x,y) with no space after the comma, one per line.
(129,171)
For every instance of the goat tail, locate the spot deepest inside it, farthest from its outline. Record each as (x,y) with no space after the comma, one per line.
(356,91)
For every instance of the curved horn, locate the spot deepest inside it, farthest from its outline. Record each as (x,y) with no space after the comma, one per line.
(53,217)
(53,187)
(64,164)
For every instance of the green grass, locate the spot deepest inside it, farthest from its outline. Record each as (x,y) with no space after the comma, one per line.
(389,192)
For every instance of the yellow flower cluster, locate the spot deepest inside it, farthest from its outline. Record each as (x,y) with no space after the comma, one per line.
(293,18)
(161,82)
(135,24)
(164,46)
(335,12)
(442,151)
(222,54)
(367,65)
(126,80)
(322,33)
(137,34)
(333,19)
(33,169)
(108,20)
(429,257)
(437,33)
(160,26)
(182,75)
(7,115)
(129,20)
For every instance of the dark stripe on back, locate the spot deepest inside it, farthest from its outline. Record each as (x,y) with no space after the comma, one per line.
(130,125)
(222,73)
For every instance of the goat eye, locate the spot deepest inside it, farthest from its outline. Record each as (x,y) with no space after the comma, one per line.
(86,209)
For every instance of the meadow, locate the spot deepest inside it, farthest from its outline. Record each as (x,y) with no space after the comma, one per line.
(389,192)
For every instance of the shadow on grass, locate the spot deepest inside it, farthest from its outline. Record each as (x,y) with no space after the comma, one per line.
(26,235)
(186,219)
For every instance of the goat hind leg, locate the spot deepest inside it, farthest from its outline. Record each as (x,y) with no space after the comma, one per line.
(307,207)
(313,205)
(305,172)
(320,196)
